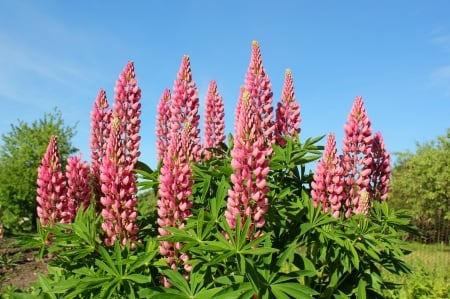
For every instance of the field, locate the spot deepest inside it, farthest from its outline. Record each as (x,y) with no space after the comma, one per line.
(431,273)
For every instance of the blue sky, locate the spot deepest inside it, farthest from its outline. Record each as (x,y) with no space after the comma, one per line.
(396,54)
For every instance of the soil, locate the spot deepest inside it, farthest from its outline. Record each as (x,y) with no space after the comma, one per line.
(19,267)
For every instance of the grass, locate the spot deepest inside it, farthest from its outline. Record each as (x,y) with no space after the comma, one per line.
(430,277)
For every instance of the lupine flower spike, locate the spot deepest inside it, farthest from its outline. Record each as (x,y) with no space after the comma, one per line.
(214,120)
(174,204)
(356,157)
(163,124)
(247,197)
(127,109)
(328,184)
(117,170)
(184,107)
(78,187)
(51,191)
(287,113)
(100,119)
(258,85)
(381,171)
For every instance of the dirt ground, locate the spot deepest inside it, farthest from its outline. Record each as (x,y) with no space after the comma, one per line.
(19,267)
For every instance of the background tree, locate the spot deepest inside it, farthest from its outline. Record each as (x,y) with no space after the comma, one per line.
(421,183)
(21,152)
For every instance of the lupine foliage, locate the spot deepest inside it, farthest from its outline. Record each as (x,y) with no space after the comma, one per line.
(247,221)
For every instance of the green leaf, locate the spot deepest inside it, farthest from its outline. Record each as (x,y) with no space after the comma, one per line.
(138,278)
(177,281)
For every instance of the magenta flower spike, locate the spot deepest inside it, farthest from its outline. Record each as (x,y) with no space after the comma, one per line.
(214,120)
(287,113)
(247,197)
(174,203)
(100,119)
(356,157)
(258,85)
(328,184)
(78,186)
(51,186)
(127,108)
(119,191)
(163,124)
(381,169)
(184,110)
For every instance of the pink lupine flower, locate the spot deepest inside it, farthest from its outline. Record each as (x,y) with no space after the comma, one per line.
(184,115)
(127,109)
(287,113)
(119,190)
(247,197)
(100,119)
(78,186)
(328,184)
(214,119)
(258,85)
(356,156)
(163,124)
(1,231)
(51,190)
(381,171)
(174,203)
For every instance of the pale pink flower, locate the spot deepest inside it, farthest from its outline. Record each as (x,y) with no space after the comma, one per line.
(214,120)
(119,191)
(51,186)
(163,124)
(127,109)
(248,196)
(328,184)
(174,203)
(100,119)
(117,176)
(356,156)
(381,169)
(287,113)
(78,186)
(259,88)
(184,114)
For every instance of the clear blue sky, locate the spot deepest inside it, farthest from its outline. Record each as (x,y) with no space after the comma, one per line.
(396,54)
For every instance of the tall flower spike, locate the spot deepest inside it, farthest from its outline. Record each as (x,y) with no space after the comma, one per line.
(119,188)
(328,184)
(214,119)
(174,203)
(356,157)
(127,108)
(247,197)
(381,169)
(163,124)
(78,187)
(100,119)
(258,85)
(51,190)
(184,110)
(287,113)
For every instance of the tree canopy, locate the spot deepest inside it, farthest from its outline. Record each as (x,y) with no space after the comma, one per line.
(21,151)
(421,182)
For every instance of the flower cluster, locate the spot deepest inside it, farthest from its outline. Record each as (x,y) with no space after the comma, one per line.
(163,124)
(287,113)
(78,186)
(52,188)
(328,184)
(117,177)
(214,120)
(100,119)
(349,182)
